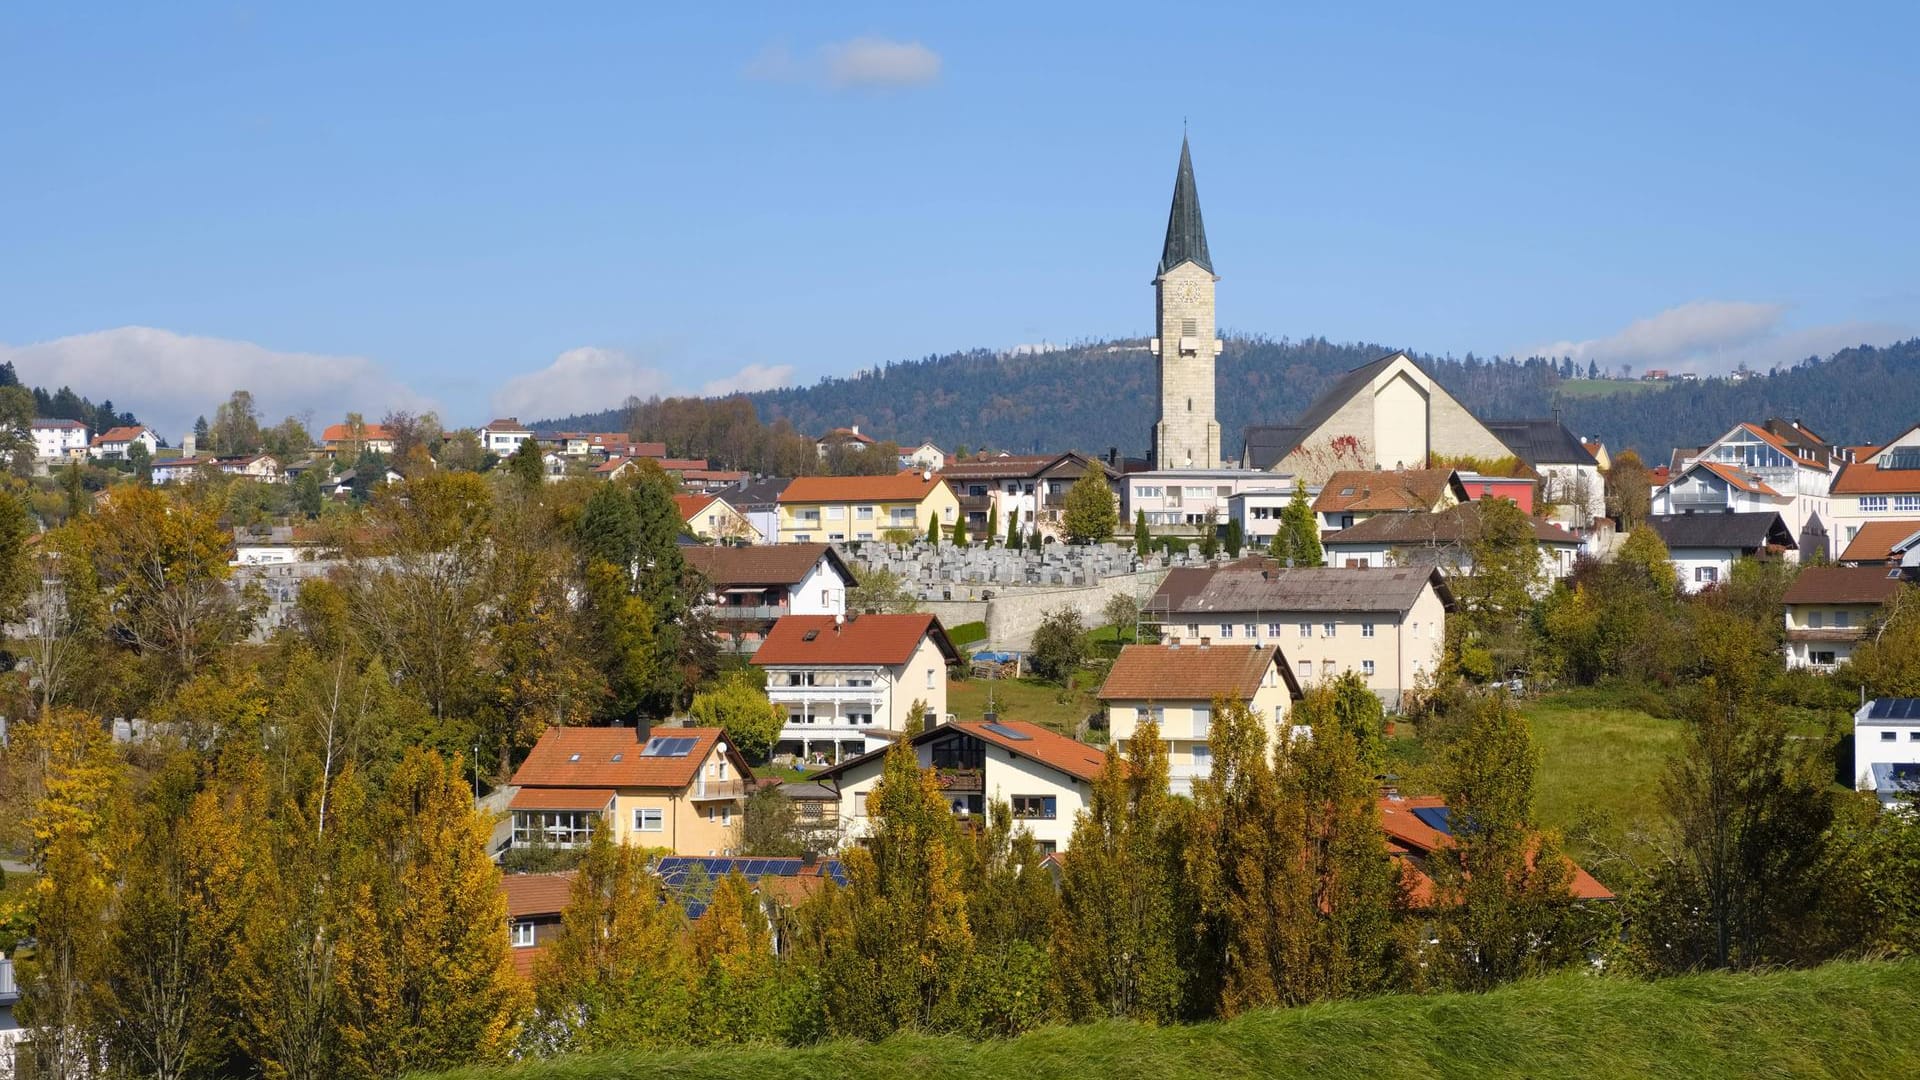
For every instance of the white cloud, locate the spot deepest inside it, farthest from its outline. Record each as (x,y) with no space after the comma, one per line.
(865,61)
(168,379)
(1712,337)
(590,379)
(749,379)
(872,61)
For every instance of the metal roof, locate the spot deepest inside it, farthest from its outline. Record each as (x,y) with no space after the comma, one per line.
(1186,233)
(1315,588)
(1540,442)
(1749,531)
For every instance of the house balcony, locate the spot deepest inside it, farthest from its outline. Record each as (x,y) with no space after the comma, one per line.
(873,695)
(755,613)
(960,781)
(716,790)
(1826,635)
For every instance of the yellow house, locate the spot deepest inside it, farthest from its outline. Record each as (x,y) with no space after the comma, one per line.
(1176,686)
(836,509)
(711,517)
(684,789)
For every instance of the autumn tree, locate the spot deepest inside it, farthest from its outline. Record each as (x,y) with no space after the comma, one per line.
(896,955)
(236,426)
(1116,943)
(1088,514)
(741,709)
(1059,645)
(883,591)
(424,977)
(17,570)
(1011,906)
(1886,663)
(1502,893)
(1629,490)
(1488,638)
(1645,553)
(619,974)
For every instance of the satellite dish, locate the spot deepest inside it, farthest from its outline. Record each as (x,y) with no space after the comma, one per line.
(838,619)
(926,474)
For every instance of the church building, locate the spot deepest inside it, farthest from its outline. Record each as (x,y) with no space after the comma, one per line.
(1188,435)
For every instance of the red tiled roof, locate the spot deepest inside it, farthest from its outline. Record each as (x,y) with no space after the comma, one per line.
(1408,836)
(682,464)
(1070,756)
(511,423)
(536,894)
(552,764)
(119,434)
(763,564)
(841,434)
(342,433)
(525,959)
(1842,585)
(1861,478)
(690,505)
(1383,490)
(543,798)
(1188,672)
(861,639)
(905,486)
(1875,540)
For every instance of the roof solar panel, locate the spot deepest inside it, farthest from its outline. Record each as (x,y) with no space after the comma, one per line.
(1006,732)
(1437,818)
(1894,709)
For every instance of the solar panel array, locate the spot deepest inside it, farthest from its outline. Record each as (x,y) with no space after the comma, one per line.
(669,746)
(1894,708)
(674,871)
(1437,818)
(1900,457)
(1006,732)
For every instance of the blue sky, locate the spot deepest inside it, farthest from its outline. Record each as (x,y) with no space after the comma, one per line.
(534,208)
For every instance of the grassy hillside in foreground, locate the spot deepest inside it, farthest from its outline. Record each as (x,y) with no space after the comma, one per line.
(1839,1020)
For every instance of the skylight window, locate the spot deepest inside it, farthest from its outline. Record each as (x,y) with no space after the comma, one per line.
(668,746)
(573,757)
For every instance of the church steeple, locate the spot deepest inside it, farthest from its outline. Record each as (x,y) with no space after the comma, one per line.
(1186,233)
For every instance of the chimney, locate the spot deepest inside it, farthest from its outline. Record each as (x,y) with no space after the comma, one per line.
(809,859)
(991,717)
(855,428)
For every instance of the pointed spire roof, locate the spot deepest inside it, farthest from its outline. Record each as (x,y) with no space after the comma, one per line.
(1186,233)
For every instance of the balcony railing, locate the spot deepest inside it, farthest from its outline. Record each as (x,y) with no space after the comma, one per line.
(719,789)
(746,612)
(842,693)
(960,780)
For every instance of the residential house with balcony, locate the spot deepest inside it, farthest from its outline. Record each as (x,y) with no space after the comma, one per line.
(680,788)
(1045,778)
(711,517)
(58,440)
(1886,749)
(1387,625)
(1443,539)
(1704,547)
(1176,686)
(849,684)
(750,588)
(1779,465)
(1883,486)
(1186,502)
(1828,609)
(1259,513)
(841,509)
(115,444)
(1351,496)
(503,437)
(994,487)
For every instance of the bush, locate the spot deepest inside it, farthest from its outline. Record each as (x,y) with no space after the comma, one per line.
(1059,645)
(967,633)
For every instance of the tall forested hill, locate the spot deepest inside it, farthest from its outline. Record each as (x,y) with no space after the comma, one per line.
(1093,396)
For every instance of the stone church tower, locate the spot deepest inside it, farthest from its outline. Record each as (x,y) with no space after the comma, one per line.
(1187,436)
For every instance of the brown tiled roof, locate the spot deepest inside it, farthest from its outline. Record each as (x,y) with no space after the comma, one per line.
(547,798)
(1875,540)
(552,762)
(1842,585)
(1455,525)
(1861,478)
(905,486)
(763,564)
(525,958)
(860,639)
(1181,584)
(511,423)
(993,468)
(1188,672)
(1070,756)
(536,894)
(1383,490)
(841,434)
(677,464)
(1255,589)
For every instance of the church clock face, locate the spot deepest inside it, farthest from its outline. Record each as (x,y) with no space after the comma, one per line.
(1189,292)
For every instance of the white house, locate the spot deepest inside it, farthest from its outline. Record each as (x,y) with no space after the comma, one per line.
(1704,547)
(924,456)
(994,488)
(1045,778)
(1188,500)
(1258,511)
(1886,748)
(1444,540)
(57,440)
(503,437)
(1779,465)
(115,444)
(849,684)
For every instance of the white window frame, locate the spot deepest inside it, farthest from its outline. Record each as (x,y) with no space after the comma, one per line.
(642,814)
(523,934)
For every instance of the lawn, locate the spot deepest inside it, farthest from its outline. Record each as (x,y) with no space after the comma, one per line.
(1597,388)
(1599,778)
(1849,1019)
(1038,702)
